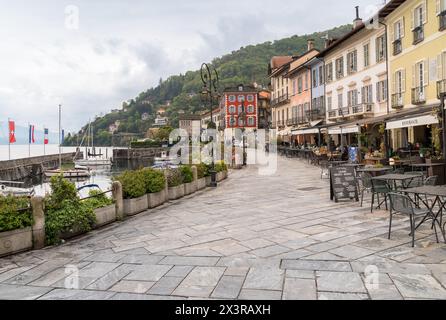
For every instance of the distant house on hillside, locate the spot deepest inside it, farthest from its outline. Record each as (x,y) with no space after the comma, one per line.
(115,111)
(112,128)
(145,116)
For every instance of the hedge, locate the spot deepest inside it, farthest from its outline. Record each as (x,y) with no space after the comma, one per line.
(15,213)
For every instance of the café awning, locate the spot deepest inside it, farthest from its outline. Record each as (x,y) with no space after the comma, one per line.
(344,130)
(422,120)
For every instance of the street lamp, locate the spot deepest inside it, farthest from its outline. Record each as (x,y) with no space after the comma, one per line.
(243,116)
(210,94)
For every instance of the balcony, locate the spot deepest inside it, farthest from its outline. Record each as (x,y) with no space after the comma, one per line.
(397,101)
(419,95)
(441,88)
(418,35)
(280,100)
(316,113)
(296,121)
(332,114)
(344,112)
(362,109)
(442,21)
(397,47)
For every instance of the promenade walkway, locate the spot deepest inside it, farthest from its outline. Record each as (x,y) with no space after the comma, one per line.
(255,237)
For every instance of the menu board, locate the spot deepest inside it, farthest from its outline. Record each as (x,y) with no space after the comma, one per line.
(343,184)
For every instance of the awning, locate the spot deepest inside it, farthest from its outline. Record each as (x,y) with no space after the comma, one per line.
(422,120)
(284,132)
(306,131)
(344,130)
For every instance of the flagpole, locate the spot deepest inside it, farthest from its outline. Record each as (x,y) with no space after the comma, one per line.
(60,137)
(44,140)
(9,140)
(29,140)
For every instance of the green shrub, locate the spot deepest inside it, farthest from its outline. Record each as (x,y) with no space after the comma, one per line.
(154,180)
(133,185)
(12,215)
(202,170)
(98,200)
(65,212)
(221,166)
(187,174)
(174,177)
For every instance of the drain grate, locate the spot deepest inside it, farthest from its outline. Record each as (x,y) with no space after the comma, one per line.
(309,189)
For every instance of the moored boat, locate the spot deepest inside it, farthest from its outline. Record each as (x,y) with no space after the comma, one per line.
(74,173)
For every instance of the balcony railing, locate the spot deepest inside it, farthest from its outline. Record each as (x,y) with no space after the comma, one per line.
(332,114)
(344,112)
(419,95)
(282,99)
(316,113)
(441,88)
(397,47)
(442,20)
(362,108)
(418,34)
(397,101)
(296,121)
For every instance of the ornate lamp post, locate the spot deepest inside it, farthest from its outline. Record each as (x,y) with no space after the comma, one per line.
(210,95)
(243,117)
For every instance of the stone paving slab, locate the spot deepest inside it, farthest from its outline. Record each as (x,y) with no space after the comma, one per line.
(230,244)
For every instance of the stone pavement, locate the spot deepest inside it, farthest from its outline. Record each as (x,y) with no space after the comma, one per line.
(255,237)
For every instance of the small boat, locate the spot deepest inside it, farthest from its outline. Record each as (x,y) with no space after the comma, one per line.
(15,191)
(74,173)
(92,159)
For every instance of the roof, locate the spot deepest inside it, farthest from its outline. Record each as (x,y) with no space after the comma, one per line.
(190,117)
(390,7)
(279,61)
(341,40)
(246,88)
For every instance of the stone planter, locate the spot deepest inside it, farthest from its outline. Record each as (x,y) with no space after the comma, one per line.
(15,241)
(71,233)
(201,183)
(220,176)
(135,206)
(208,181)
(105,215)
(190,188)
(157,199)
(176,192)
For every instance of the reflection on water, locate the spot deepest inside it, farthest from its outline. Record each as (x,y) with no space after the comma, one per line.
(101,176)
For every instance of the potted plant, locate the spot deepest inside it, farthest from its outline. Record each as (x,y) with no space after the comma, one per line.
(202,173)
(103,207)
(190,186)
(175,183)
(155,186)
(134,192)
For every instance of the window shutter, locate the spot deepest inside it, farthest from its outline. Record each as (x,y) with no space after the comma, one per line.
(414,76)
(425,12)
(426,72)
(377,49)
(403,26)
(438,7)
(363,94)
(440,75)
(393,32)
(394,84)
(413,19)
(403,80)
(377,92)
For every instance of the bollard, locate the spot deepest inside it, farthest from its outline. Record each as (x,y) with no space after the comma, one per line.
(195,173)
(166,186)
(118,197)
(38,207)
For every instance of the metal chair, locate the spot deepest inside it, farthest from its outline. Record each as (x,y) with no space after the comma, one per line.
(380,187)
(404,205)
(325,168)
(415,182)
(366,184)
(431,181)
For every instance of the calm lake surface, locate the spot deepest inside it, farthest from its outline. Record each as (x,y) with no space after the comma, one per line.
(101,176)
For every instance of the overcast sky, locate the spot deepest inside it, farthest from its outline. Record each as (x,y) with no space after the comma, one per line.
(116,49)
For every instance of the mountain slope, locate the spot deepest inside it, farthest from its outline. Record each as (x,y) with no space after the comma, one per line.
(247,65)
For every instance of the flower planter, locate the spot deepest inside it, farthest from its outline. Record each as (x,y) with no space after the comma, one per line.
(15,241)
(135,206)
(156,199)
(105,215)
(201,183)
(190,188)
(176,192)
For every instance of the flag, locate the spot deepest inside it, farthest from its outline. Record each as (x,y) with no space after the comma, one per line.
(12,138)
(32,139)
(45,139)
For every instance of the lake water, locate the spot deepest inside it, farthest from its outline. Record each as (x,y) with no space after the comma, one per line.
(101,176)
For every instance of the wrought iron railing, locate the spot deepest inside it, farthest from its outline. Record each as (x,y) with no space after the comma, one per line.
(397,101)
(442,20)
(418,34)
(419,95)
(397,47)
(441,88)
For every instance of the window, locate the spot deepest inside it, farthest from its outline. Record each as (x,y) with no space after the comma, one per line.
(340,100)
(250,98)
(352,98)
(441,66)
(352,62)
(329,72)
(366,55)
(381,91)
(441,13)
(306,81)
(367,94)
(380,49)
(419,18)
(241,98)
(232,122)
(314,78)
(329,103)
(340,68)
(420,75)
(232,109)
(398,30)
(321,75)
(294,86)
(251,121)
(399,85)
(232,98)
(241,109)
(299,85)
(241,122)
(294,112)
(250,108)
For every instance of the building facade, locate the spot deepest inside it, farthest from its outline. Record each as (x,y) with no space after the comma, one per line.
(264,115)
(191,124)
(216,118)
(240,105)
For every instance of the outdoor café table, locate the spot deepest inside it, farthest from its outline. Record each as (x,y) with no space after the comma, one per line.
(375,171)
(405,179)
(426,166)
(439,192)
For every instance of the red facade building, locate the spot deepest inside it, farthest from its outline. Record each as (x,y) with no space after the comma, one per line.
(240,107)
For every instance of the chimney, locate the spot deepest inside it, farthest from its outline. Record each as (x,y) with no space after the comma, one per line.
(358,21)
(310,43)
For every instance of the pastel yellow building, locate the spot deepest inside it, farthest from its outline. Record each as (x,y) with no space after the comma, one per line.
(417,67)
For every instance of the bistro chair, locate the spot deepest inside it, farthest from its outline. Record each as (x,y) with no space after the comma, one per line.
(431,181)
(415,182)
(325,168)
(380,187)
(366,184)
(402,204)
